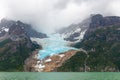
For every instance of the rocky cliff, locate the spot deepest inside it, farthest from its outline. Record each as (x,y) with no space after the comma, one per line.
(6,24)
(75,32)
(102,45)
(15,47)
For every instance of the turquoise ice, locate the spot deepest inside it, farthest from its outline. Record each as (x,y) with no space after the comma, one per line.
(53,45)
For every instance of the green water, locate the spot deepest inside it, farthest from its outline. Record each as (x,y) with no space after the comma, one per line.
(59,76)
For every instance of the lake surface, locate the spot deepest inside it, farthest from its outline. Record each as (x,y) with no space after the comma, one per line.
(59,76)
(55,44)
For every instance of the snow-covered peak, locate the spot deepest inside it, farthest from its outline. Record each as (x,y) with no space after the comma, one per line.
(75,33)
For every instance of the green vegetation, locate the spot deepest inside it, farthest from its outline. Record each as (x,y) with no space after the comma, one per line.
(103,47)
(13,54)
(4,42)
(75,63)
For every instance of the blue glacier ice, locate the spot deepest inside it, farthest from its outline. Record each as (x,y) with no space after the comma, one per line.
(53,45)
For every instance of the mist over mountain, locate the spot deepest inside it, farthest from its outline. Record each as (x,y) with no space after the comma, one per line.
(100,46)
(48,15)
(60,35)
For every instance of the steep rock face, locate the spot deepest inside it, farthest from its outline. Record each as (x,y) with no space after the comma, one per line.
(103,28)
(102,43)
(75,32)
(98,21)
(15,47)
(6,24)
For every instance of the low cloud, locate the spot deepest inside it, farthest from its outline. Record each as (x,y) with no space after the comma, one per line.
(46,15)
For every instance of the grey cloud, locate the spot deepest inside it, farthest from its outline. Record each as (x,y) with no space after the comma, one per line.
(61,4)
(48,15)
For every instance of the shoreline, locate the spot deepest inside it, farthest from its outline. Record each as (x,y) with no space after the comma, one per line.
(49,64)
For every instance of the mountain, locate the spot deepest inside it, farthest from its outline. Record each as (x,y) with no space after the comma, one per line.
(15,45)
(98,21)
(101,47)
(75,32)
(6,24)
(97,40)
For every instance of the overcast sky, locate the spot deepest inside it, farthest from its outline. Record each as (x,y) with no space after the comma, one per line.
(53,14)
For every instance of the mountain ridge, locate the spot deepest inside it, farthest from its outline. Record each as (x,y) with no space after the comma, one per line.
(101,42)
(15,47)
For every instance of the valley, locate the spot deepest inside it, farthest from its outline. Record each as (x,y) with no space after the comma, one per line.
(89,46)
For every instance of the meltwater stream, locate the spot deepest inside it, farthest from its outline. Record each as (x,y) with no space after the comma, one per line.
(54,44)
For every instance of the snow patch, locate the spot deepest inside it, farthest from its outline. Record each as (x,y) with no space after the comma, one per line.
(41,66)
(48,60)
(62,55)
(81,36)
(78,30)
(5,29)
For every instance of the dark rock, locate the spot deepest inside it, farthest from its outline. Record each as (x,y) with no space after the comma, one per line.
(27,28)
(101,41)
(15,47)
(98,21)
(74,31)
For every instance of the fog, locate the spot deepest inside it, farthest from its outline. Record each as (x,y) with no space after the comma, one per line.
(48,15)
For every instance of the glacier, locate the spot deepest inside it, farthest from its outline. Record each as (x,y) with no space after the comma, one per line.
(52,45)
